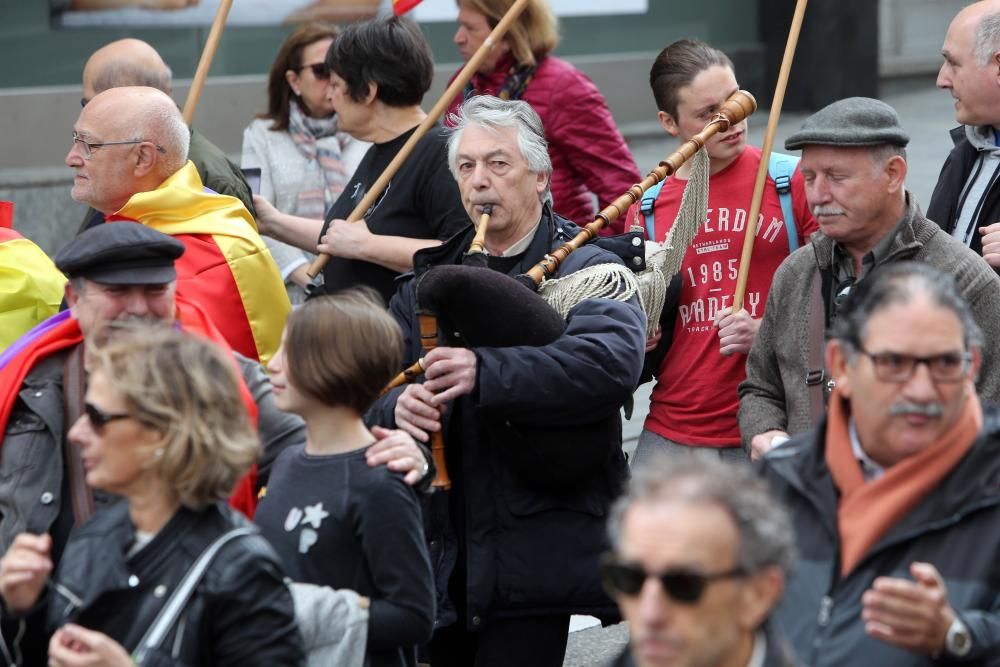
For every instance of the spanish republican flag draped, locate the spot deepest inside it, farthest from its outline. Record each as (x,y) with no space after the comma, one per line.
(400,7)
(31,287)
(226,268)
(62,332)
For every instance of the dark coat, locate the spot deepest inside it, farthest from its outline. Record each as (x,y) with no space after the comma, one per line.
(954,529)
(951,181)
(524,546)
(240,614)
(776,655)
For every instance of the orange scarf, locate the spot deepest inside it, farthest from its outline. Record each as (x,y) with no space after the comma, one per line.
(867,510)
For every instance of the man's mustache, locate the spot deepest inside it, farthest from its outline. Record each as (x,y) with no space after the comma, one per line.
(919,409)
(827,210)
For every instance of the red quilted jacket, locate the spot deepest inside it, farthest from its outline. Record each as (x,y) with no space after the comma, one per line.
(588,152)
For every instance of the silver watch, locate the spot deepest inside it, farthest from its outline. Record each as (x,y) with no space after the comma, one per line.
(958,641)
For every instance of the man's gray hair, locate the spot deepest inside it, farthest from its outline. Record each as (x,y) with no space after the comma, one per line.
(765,532)
(494,113)
(898,284)
(987,38)
(162,123)
(121,73)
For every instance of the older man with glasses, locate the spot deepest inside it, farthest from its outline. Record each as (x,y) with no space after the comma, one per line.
(700,556)
(129,157)
(894,496)
(854,164)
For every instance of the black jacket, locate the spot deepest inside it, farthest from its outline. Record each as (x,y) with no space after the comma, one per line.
(954,529)
(240,614)
(955,172)
(528,543)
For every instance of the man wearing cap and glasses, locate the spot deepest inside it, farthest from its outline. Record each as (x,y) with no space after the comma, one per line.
(700,556)
(129,157)
(116,272)
(895,495)
(854,164)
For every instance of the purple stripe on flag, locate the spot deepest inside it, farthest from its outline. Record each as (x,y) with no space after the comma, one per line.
(27,339)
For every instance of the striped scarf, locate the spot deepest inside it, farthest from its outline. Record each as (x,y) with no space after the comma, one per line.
(325,175)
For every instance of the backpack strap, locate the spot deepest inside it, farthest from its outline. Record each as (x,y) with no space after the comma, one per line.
(646,206)
(781,167)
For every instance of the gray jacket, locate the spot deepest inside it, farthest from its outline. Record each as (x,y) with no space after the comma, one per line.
(774,394)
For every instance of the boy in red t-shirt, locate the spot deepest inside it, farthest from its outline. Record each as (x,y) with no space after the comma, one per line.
(700,361)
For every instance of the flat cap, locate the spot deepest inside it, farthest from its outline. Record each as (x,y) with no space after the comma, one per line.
(121,253)
(854,121)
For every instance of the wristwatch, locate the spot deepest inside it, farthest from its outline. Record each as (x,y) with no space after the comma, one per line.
(958,641)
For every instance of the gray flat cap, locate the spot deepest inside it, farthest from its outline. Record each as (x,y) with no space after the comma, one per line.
(855,121)
(121,253)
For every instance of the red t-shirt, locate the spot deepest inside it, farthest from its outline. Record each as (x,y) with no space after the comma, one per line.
(694,401)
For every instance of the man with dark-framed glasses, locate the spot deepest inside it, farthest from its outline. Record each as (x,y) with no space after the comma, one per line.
(700,556)
(894,496)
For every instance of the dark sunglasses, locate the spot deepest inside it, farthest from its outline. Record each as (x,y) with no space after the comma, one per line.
(320,71)
(99,418)
(682,585)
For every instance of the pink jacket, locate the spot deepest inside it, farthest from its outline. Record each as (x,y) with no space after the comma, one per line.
(588,152)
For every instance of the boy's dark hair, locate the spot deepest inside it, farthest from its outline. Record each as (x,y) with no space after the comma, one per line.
(392,53)
(343,348)
(677,66)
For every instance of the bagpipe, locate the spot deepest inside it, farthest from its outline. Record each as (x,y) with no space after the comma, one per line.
(471,305)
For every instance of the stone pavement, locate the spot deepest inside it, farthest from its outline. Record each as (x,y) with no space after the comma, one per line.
(927,114)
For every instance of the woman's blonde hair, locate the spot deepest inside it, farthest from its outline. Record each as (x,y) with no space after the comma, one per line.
(534,34)
(186,388)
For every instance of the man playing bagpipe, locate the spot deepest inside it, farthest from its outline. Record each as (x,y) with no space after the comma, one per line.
(528,403)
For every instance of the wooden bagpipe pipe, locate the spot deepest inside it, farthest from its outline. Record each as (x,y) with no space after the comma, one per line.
(474,306)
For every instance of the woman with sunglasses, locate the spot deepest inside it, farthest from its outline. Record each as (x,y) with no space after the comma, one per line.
(380,71)
(164,429)
(303,157)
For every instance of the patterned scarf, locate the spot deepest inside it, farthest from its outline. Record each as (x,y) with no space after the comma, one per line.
(325,175)
(514,84)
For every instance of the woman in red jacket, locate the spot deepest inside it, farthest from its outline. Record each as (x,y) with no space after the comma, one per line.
(589,155)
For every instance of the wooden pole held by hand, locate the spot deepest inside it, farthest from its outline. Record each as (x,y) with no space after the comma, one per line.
(750,235)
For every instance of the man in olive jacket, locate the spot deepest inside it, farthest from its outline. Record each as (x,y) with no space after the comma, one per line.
(854,164)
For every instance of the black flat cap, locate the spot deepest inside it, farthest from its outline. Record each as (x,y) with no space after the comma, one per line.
(121,253)
(854,121)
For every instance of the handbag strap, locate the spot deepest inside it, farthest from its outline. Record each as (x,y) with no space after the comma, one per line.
(168,615)
(816,373)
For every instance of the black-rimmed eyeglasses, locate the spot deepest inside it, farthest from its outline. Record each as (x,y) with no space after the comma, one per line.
(320,71)
(899,368)
(87,147)
(682,585)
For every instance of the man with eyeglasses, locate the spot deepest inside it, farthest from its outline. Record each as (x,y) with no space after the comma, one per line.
(116,272)
(129,157)
(894,496)
(700,556)
(854,165)
(133,62)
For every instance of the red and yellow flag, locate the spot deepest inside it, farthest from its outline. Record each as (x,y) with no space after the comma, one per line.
(400,7)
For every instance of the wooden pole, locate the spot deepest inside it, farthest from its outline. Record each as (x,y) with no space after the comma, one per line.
(750,234)
(375,191)
(205,64)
